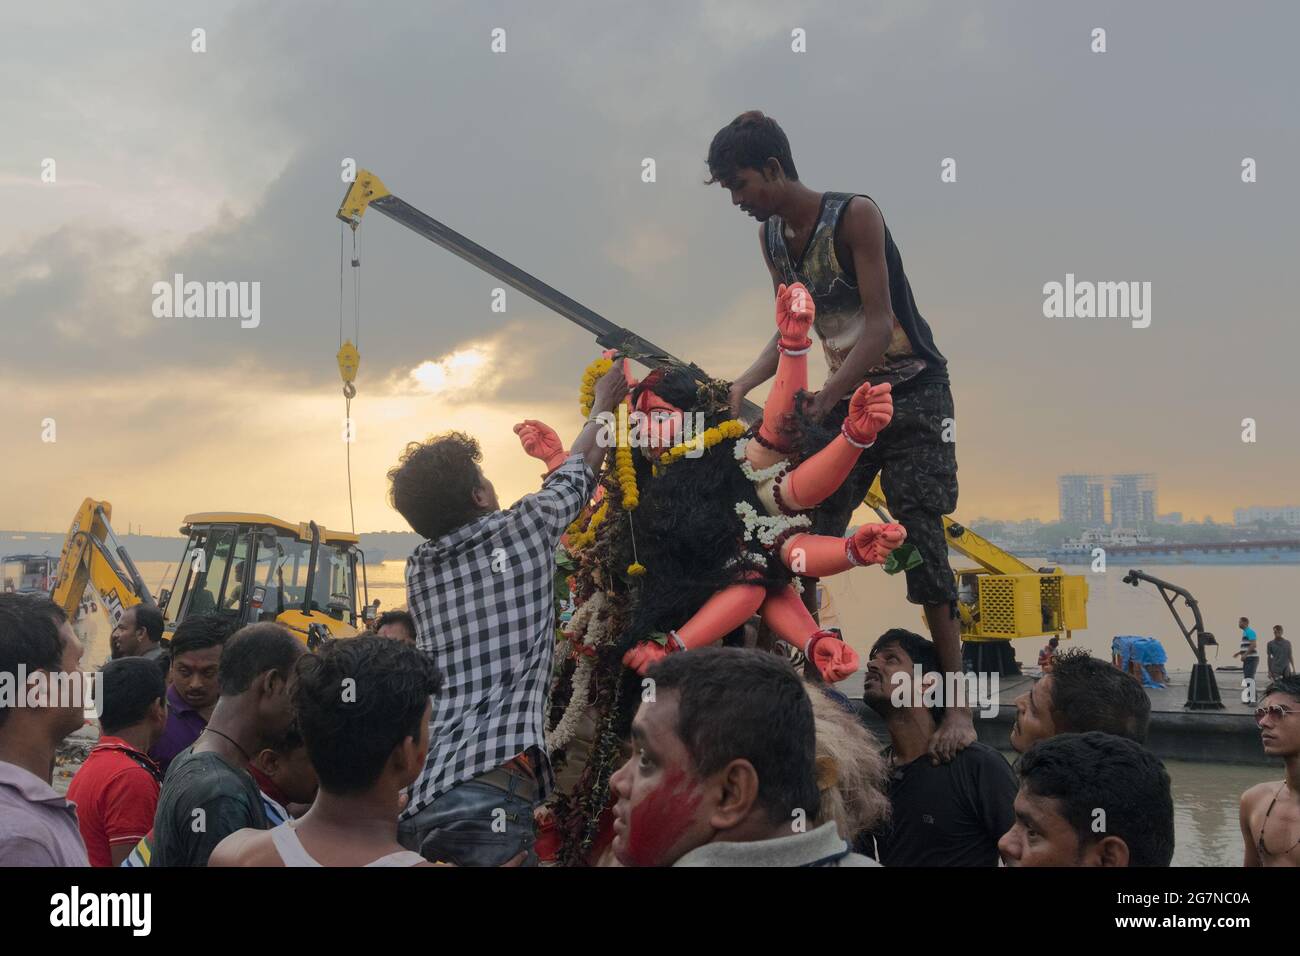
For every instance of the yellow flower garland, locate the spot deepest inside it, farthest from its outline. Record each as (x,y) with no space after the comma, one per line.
(587,394)
(580,539)
(733,428)
(624,469)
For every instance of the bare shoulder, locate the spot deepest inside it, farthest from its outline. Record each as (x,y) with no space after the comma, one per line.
(1256,796)
(863,212)
(246,847)
(863,222)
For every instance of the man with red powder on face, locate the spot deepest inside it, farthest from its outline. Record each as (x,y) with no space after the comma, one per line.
(722,771)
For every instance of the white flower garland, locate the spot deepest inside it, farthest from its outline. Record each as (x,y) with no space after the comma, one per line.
(568,725)
(750,558)
(593,628)
(755,475)
(767,529)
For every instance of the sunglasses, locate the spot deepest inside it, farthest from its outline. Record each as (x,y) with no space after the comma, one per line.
(1276,711)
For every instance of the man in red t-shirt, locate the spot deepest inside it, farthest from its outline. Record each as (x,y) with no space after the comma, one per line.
(116,789)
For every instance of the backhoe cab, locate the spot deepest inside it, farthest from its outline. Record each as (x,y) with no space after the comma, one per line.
(27,573)
(258,568)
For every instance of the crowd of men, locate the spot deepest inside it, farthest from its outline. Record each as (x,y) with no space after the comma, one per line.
(311,759)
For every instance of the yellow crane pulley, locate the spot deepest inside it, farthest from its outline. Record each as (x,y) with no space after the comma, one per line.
(349,358)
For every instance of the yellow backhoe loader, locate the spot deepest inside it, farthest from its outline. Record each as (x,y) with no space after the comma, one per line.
(252,567)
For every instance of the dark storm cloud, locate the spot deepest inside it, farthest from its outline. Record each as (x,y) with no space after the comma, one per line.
(1119,166)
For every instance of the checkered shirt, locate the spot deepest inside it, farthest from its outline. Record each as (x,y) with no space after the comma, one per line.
(482,597)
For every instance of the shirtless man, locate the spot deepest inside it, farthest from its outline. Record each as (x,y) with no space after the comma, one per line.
(1270,812)
(838,246)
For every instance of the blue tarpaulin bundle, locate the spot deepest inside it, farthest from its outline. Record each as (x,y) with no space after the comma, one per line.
(1145,651)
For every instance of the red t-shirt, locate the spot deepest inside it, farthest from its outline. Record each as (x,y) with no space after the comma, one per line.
(116,798)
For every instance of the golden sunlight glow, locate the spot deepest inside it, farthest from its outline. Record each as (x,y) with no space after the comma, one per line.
(458,372)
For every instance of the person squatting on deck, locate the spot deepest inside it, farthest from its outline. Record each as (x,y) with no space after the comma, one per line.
(838,246)
(481,592)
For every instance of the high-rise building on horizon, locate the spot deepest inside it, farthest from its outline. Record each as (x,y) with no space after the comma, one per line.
(1133,500)
(1083,499)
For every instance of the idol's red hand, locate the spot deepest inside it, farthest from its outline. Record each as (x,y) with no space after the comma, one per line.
(870,409)
(646,654)
(872,543)
(794,314)
(539,439)
(832,657)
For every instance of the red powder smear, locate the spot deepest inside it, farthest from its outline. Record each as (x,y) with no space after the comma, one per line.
(660,819)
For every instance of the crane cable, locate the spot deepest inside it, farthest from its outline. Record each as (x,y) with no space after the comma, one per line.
(348,355)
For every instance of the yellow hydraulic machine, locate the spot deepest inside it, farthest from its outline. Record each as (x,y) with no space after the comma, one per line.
(260,568)
(1004,598)
(252,567)
(92,556)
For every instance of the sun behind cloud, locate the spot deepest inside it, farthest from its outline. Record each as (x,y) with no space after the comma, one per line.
(460,373)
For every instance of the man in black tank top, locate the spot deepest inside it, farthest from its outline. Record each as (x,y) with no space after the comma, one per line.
(838,246)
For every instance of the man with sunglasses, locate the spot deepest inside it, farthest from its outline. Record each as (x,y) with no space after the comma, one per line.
(1270,812)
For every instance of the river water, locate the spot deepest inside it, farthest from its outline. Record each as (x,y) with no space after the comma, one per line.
(866,603)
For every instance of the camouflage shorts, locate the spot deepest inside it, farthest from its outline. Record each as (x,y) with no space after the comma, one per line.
(918,473)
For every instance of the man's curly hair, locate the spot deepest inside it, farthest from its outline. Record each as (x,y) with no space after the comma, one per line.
(433,483)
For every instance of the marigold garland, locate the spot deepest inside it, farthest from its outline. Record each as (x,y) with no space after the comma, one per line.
(733,428)
(624,469)
(579,539)
(587,394)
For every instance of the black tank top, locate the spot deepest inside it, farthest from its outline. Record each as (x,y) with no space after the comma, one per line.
(911,357)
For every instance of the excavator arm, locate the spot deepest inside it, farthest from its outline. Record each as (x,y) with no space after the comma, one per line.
(93,556)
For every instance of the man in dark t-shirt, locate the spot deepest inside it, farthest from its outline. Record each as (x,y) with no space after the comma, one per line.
(208,792)
(1280,663)
(943,814)
(871,329)
(205,800)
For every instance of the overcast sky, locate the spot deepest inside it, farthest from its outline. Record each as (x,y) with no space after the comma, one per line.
(226,166)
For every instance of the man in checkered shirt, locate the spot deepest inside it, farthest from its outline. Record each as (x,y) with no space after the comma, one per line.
(481,591)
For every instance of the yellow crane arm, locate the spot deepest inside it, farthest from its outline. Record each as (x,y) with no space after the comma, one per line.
(92,556)
(964,541)
(1006,598)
